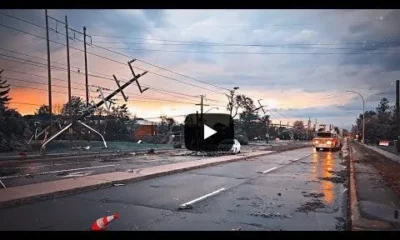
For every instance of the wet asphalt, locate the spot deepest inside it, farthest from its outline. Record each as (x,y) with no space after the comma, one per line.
(20,173)
(303,191)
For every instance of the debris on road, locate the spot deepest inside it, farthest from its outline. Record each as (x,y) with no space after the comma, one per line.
(270,215)
(118,184)
(314,195)
(237,229)
(311,206)
(29,176)
(243,198)
(279,194)
(151,151)
(130,170)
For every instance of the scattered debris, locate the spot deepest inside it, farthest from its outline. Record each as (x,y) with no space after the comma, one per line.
(243,198)
(118,184)
(77,174)
(270,215)
(62,174)
(87,147)
(151,151)
(130,170)
(314,195)
(311,206)
(279,194)
(154,186)
(333,179)
(29,176)
(237,229)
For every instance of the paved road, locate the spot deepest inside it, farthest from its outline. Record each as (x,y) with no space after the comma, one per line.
(22,173)
(293,190)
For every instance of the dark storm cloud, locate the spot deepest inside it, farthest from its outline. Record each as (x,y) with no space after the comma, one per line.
(383,29)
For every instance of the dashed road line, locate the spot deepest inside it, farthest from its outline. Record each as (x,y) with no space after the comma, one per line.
(189,204)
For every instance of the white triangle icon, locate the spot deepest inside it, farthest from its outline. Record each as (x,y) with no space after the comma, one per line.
(208,132)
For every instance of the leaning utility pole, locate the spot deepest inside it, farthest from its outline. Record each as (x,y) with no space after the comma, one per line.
(49,69)
(91,108)
(68,63)
(86,68)
(398,115)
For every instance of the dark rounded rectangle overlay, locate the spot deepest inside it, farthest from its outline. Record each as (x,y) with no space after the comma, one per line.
(222,140)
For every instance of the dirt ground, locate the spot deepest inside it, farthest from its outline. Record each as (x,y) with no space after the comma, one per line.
(388,169)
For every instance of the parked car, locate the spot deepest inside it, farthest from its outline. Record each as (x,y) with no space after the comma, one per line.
(230,145)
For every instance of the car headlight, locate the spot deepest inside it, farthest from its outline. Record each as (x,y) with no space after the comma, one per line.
(329,142)
(316,142)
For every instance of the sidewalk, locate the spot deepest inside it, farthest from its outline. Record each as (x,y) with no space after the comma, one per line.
(373,199)
(27,193)
(387,154)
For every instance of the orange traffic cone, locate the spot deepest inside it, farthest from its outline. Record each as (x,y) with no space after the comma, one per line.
(101,223)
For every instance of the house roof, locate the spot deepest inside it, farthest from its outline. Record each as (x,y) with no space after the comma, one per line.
(145,122)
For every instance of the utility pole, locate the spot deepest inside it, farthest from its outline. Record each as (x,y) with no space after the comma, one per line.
(86,68)
(49,69)
(201,107)
(68,63)
(398,114)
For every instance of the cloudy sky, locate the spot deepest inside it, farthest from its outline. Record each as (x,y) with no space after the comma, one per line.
(299,62)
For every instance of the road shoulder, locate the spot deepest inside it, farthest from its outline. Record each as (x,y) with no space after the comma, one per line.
(373,200)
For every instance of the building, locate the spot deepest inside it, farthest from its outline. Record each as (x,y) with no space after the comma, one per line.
(145,128)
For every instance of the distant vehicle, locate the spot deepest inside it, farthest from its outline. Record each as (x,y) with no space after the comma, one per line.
(230,145)
(327,140)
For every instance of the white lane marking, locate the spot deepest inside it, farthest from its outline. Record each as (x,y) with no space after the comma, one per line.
(269,170)
(2,184)
(59,171)
(291,161)
(188,204)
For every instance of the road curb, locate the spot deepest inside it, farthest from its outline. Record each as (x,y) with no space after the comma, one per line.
(78,190)
(357,222)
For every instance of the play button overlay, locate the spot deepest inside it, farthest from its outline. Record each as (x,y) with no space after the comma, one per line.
(205,133)
(208,132)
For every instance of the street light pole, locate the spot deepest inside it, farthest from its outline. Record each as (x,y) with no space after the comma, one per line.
(363,106)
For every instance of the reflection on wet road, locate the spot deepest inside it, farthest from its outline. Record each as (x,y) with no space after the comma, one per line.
(303,191)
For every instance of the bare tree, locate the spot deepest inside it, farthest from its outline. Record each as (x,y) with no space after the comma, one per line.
(239,101)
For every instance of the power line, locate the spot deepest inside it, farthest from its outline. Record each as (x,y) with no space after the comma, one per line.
(310,46)
(111,59)
(106,78)
(255,45)
(250,53)
(27,81)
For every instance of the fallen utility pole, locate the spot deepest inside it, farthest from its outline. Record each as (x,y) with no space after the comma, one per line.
(91,108)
